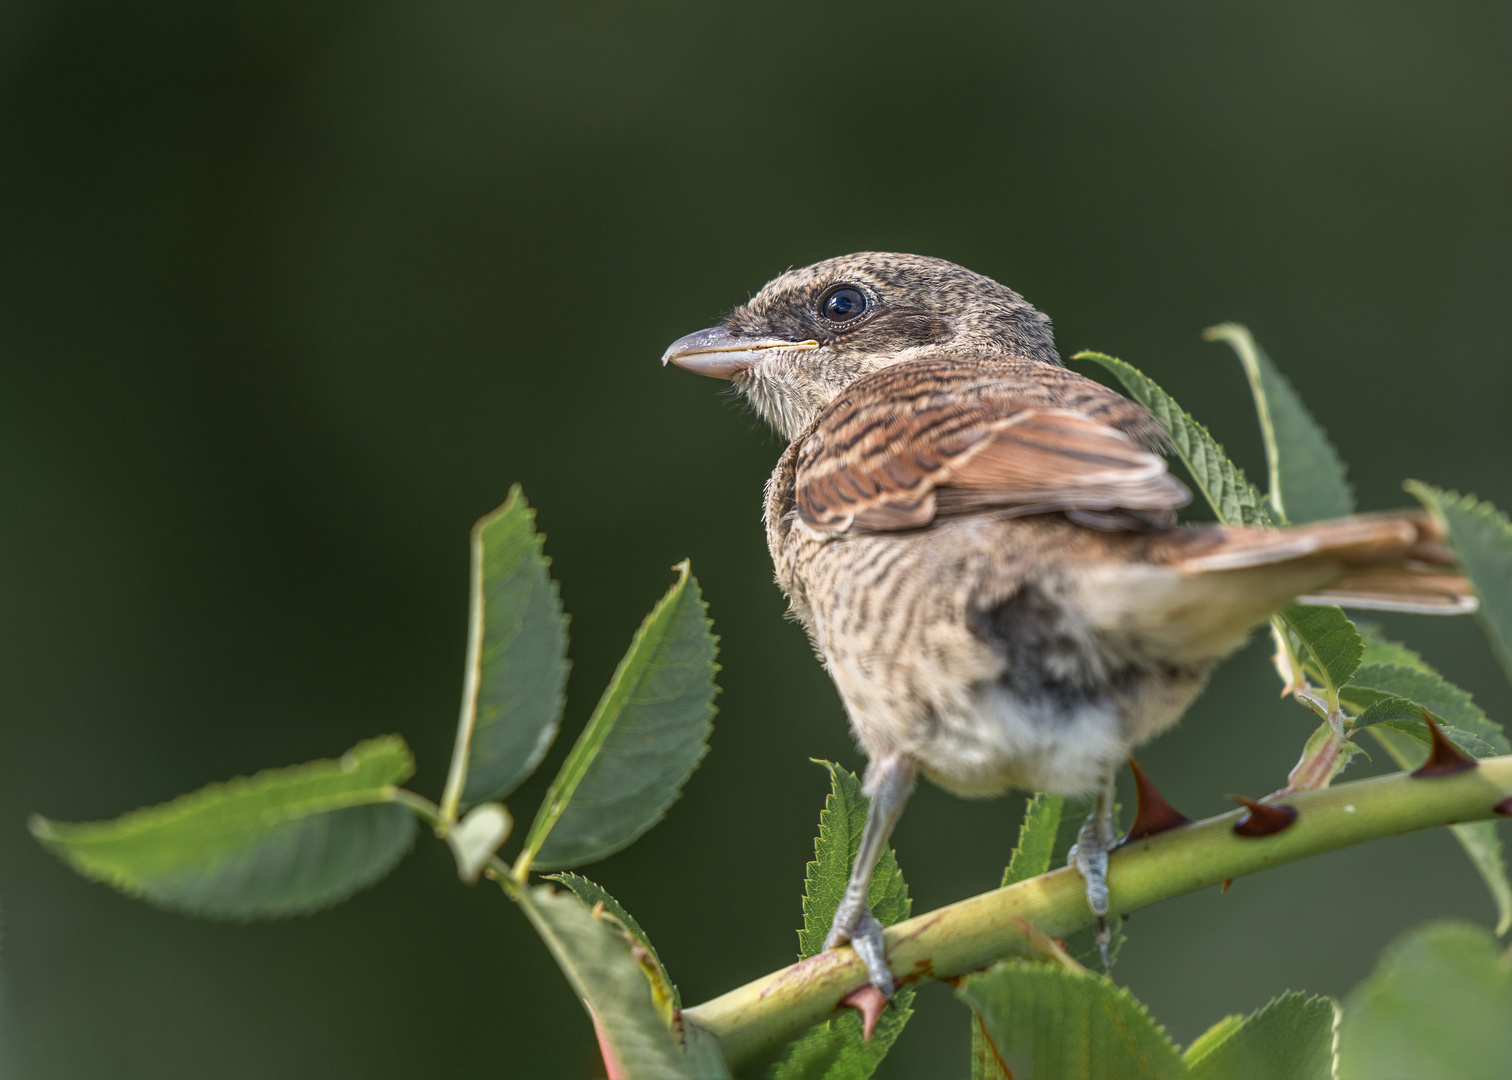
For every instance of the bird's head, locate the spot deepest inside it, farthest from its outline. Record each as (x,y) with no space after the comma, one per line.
(811,332)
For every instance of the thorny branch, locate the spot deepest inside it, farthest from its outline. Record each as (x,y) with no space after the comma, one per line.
(755,1021)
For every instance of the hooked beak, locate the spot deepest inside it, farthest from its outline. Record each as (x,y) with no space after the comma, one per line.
(723,353)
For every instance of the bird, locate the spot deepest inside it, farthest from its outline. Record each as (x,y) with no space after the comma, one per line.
(983,548)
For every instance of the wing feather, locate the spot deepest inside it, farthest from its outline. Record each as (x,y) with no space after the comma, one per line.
(916,441)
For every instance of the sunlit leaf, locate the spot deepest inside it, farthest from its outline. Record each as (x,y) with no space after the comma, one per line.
(283,842)
(1439,1005)
(516,658)
(1307,477)
(835,1050)
(1292,1037)
(1482,540)
(593,894)
(1051,1024)
(648,734)
(599,964)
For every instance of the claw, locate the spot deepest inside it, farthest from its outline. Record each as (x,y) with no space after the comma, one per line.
(1090,857)
(859,928)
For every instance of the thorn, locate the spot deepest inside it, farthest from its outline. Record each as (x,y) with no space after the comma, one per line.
(1445,759)
(869,1002)
(1154,815)
(598,910)
(1504,807)
(1263,819)
(1226,883)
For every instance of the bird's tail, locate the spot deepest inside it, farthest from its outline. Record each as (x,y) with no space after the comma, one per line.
(1384,562)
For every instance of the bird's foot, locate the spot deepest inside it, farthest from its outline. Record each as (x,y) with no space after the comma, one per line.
(857,927)
(1090,857)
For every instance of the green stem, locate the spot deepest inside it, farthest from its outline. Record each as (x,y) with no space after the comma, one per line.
(472,678)
(433,816)
(754,1021)
(419,805)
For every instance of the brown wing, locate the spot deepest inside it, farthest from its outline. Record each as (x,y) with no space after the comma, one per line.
(916,441)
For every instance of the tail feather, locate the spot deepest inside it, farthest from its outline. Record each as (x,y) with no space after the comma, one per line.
(1380,562)
(1420,593)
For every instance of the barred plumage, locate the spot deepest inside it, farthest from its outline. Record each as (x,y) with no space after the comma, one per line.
(982,544)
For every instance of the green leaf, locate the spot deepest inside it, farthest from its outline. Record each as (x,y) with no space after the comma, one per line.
(284,842)
(648,734)
(1483,844)
(1291,1037)
(701,1056)
(1037,836)
(1407,741)
(1050,1024)
(592,894)
(1438,1005)
(1325,633)
(1307,481)
(1377,650)
(1211,1038)
(1031,856)
(1482,540)
(1420,684)
(516,660)
(599,964)
(835,1050)
(1405,716)
(1233,498)
(985,1064)
(1332,645)
(1390,691)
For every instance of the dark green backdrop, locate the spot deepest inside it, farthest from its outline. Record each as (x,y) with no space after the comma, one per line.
(291,293)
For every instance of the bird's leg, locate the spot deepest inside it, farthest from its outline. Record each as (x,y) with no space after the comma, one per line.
(1090,857)
(888,781)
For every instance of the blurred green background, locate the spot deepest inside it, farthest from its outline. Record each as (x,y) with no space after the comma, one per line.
(291,293)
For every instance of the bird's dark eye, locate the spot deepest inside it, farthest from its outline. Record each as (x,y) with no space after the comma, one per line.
(842,304)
